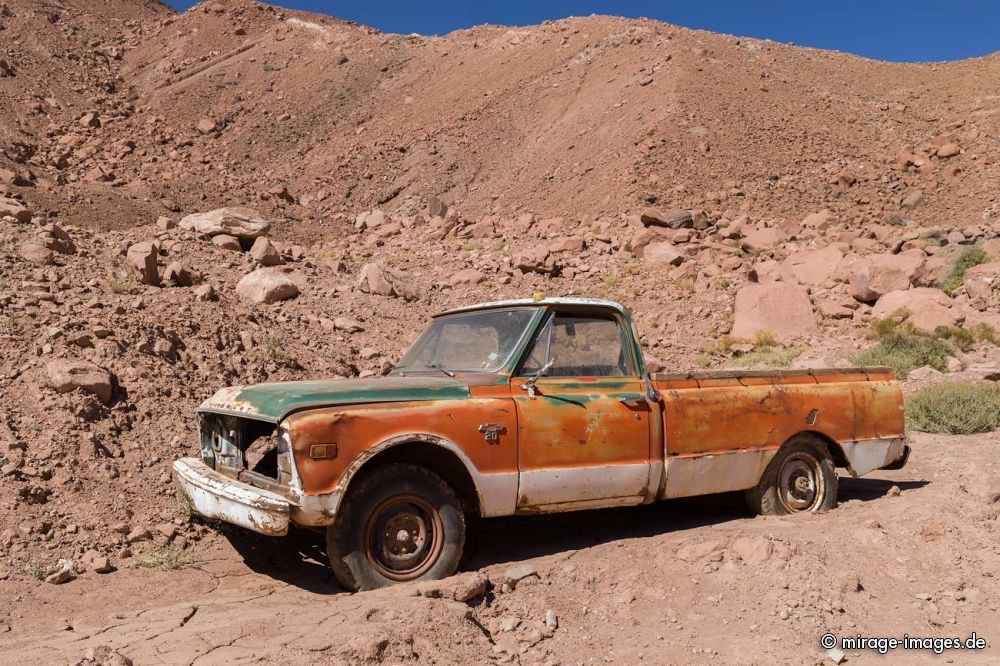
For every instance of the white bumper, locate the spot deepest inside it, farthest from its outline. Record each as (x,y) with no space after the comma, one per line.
(215,495)
(869,455)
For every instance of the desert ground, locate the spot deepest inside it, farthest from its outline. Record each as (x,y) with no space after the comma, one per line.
(244,193)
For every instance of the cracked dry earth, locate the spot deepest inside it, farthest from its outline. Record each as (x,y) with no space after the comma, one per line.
(909,551)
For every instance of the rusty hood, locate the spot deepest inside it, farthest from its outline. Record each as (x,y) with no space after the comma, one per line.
(274,401)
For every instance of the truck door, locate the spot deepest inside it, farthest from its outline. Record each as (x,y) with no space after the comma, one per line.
(583,424)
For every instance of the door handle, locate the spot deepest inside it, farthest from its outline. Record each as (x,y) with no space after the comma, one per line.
(632,400)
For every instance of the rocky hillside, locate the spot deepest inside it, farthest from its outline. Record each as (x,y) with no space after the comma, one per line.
(124,110)
(242,193)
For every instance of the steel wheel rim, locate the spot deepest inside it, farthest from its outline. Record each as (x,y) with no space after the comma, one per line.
(801,486)
(403,537)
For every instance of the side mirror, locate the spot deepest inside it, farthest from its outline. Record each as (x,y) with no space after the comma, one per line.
(529,384)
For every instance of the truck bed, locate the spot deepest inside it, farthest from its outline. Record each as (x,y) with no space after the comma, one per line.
(721,428)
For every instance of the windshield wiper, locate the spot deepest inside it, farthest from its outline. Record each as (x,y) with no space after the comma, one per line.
(438,366)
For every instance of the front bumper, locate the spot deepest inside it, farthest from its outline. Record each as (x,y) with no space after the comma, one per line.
(215,495)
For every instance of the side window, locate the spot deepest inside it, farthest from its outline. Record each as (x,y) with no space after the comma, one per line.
(580,346)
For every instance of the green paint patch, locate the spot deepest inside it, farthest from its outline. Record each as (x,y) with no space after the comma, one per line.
(275,401)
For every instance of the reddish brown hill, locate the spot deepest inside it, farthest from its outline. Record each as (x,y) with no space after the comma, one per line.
(579,117)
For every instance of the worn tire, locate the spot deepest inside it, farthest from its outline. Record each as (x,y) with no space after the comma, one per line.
(396,499)
(800,478)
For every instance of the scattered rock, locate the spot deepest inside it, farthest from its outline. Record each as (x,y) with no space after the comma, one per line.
(227,242)
(15,209)
(982,282)
(376,278)
(661,255)
(37,254)
(62,574)
(266,285)
(264,252)
(142,258)
(949,149)
(879,274)
(534,260)
(69,375)
(204,293)
(347,325)
(244,223)
(96,562)
(466,276)
(674,218)
(179,276)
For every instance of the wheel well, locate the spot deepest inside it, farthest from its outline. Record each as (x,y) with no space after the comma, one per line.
(837,453)
(437,459)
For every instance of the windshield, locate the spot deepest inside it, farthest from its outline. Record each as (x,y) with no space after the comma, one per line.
(467,342)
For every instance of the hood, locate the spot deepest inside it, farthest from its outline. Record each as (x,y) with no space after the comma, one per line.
(274,401)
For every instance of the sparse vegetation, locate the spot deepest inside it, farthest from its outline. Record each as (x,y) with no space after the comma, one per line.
(905,353)
(123,284)
(904,348)
(956,408)
(37,569)
(966,259)
(167,558)
(184,504)
(772,357)
(685,286)
(723,283)
(983,332)
(767,352)
(273,348)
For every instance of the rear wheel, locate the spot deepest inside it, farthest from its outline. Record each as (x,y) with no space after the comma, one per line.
(801,478)
(398,523)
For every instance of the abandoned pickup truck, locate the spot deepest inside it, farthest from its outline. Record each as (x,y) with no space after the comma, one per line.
(524,407)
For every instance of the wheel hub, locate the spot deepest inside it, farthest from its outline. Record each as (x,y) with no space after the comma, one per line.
(403,538)
(800,483)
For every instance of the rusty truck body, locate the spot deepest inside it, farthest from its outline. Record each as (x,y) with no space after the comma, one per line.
(524,407)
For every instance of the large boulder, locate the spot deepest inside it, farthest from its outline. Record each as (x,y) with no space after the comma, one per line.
(929,308)
(534,259)
(662,255)
(244,223)
(378,279)
(69,375)
(266,285)
(675,218)
(265,254)
(36,253)
(877,275)
(982,282)
(15,209)
(142,258)
(813,267)
(758,240)
(780,309)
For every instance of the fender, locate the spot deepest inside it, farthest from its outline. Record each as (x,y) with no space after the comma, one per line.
(497,493)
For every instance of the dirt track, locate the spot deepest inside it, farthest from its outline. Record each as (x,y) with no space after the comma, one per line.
(632,585)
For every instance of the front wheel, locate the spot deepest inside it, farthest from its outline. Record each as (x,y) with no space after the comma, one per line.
(801,478)
(398,523)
